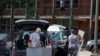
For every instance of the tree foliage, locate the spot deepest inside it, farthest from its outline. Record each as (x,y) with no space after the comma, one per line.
(2,6)
(30,5)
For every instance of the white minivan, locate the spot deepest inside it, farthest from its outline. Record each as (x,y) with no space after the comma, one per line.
(59,32)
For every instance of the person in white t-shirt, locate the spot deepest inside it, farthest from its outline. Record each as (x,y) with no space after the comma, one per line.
(35,38)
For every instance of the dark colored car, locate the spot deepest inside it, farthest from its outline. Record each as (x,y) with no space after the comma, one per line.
(27,26)
(4,49)
(90,45)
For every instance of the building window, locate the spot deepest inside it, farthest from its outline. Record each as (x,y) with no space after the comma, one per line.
(57,4)
(47,1)
(8,5)
(66,3)
(15,5)
(75,3)
(22,5)
(19,5)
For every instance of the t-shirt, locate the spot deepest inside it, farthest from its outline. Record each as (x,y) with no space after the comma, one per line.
(72,40)
(34,37)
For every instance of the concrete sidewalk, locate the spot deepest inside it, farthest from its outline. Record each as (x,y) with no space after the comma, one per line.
(85,53)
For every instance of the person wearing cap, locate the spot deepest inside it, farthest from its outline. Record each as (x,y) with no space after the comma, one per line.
(35,38)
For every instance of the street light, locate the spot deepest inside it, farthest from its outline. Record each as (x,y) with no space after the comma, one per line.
(91,20)
(36,11)
(53,12)
(26,10)
(71,14)
(11,20)
(96,28)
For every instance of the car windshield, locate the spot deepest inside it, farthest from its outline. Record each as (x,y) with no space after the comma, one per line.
(3,36)
(62,35)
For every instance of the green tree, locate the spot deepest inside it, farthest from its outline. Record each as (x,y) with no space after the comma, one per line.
(29,7)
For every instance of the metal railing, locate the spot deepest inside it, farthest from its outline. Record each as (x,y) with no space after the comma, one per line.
(80,10)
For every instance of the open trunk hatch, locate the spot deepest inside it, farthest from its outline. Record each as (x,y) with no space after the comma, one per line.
(32,24)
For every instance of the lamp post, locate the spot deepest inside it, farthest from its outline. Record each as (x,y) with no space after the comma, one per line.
(36,9)
(91,20)
(11,20)
(53,12)
(71,14)
(96,28)
(26,10)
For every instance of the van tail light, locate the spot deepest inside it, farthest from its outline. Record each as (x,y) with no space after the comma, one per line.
(14,54)
(2,42)
(29,41)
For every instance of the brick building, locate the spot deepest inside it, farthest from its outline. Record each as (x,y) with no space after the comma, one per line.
(81,14)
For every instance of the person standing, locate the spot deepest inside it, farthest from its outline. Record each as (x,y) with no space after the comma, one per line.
(35,38)
(73,41)
(54,44)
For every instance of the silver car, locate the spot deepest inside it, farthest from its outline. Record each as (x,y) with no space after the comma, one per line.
(4,48)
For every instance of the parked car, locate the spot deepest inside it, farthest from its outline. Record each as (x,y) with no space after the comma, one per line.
(60,34)
(90,45)
(4,48)
(27,26)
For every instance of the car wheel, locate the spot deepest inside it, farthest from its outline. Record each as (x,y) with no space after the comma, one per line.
(92,50)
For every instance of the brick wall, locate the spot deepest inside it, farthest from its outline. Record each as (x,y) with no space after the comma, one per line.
(82,9)
(84,25)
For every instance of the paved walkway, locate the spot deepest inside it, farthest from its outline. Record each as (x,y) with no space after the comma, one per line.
(85,53)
